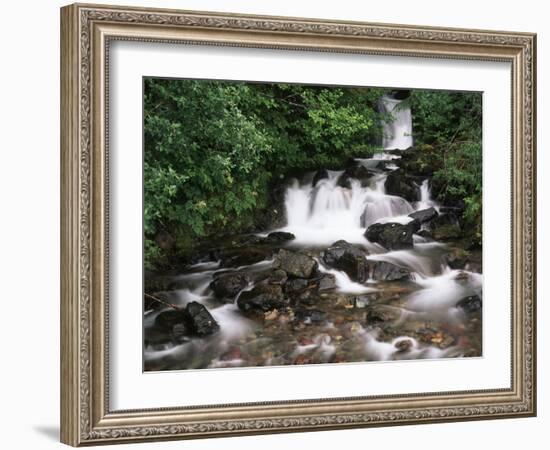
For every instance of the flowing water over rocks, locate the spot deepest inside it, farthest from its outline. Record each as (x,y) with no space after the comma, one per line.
(367,268)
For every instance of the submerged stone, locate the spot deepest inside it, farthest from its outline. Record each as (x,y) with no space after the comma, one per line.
(295,264)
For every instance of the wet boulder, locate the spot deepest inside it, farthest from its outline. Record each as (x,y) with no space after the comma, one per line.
(242,256)
(357,172)
(348,258)
(263,297)
(319,175)
(470,304)
(392,235)
(167,319)
(296,286)
(277,237)
(295,264)
(326,282)
(385,271)
(399,184)
(424,215)
(200,320)
(227,286)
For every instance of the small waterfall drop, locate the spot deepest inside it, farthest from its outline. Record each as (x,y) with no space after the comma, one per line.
(398,132)
(328,212)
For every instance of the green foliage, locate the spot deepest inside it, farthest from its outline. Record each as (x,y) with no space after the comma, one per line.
(213,149)
(452,122)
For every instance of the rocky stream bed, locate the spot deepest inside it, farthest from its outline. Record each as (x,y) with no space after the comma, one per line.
(364,266)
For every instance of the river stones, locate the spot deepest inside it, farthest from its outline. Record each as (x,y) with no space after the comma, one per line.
(399,184)
(424,215)
(348,258)
(319,175)
(295,264)
(263,297)
(354,172)
(385,271)
(227,286)
(177,325)
(470,304)
(242,256)
(277,237)
(392,235)
(200,320)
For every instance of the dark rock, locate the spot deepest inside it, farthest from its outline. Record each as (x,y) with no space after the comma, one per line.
(385,271)
(393,236)
(280,236)
(310,316)
(263,297)
(382,313)
(326,282)
(170,326)
(242,256)
(277,276)
(446,227)
(424,215)
(349,258)
(426,234)
(200,320)
(447,218)
(167,319)
(296,285)
(397,183)
(344,181)
(227,286)
(470,304)
(404,345)
(319,175)
(295,264)
(358,172)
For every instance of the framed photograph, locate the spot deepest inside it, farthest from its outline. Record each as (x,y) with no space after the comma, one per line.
(274,224)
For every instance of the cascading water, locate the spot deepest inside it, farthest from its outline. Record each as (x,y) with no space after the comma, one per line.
(398,131)
(327,212)
(369,319)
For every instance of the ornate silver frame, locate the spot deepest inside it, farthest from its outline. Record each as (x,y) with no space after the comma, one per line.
(86,31)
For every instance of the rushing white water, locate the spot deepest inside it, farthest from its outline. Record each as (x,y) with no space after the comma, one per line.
(426,200)
(441,293)
(397,132)
(336,208)
(328,212)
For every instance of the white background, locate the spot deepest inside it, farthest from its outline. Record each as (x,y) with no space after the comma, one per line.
(131,389)
(29,228)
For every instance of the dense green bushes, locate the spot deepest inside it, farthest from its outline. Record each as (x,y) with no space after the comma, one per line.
(451,122)
(213,149)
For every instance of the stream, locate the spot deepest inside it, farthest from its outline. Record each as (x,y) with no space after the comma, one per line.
(355,274)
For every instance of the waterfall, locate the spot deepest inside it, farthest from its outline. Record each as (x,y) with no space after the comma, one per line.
(328,212)
(426,200)
(397,132)
(422,310)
